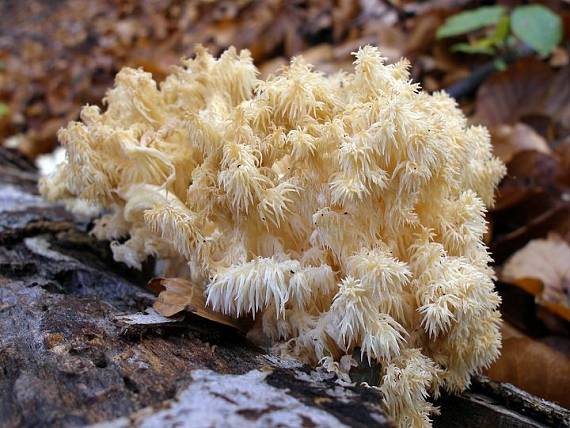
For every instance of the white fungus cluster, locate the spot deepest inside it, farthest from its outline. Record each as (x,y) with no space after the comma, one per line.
(345,212)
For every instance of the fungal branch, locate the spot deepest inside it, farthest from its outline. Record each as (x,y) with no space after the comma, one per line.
(343,212)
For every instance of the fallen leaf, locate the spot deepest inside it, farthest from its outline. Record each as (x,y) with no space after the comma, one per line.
(562,151)
(528,91)
(508,140)
(510,95)
(424,28)
(505,244)
(541,367)
(559,58)
(55,59)
(390,39)
(177,295)
(529,173)
(556,102)
(532,200)
(547,260)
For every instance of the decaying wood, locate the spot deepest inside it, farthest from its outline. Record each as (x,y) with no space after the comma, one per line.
(79,346)
(538,410)
(73,350)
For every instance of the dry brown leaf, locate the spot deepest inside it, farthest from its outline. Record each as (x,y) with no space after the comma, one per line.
(559,57)
(554,217)
(547,260)
(320,54)
(177,295)
(344,13)
(556,103)
(562,151)
(272,66)
(529,173)
(509,331)
(541,367)
(509,140)
(54,59)
(423,31)
(528,91)
(508,96)
(562,311)
(530,202)
(390,39)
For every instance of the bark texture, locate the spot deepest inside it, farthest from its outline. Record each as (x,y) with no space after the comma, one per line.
(78,347)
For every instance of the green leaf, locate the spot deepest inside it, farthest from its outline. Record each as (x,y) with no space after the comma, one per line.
(500,64)
(473,49)
(502,30)
(538,27)
(470,20)
(4,110)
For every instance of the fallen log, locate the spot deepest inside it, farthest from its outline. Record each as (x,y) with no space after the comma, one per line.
(79,346)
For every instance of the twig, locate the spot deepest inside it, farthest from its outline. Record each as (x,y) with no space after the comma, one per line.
(470,84)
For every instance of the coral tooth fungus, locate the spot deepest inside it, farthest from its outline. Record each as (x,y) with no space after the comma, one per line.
(344,212)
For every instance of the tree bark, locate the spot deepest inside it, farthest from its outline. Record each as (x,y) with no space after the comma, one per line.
(70,356)
(77,347)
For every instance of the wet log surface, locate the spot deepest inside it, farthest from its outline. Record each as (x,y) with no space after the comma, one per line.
(79,347)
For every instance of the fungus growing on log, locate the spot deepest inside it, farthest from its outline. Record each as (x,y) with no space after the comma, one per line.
(343,212)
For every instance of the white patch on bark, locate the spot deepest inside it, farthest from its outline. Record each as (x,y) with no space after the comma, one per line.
(39,245)
(14,199)
(227,400)
(221,400)
(148,317)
